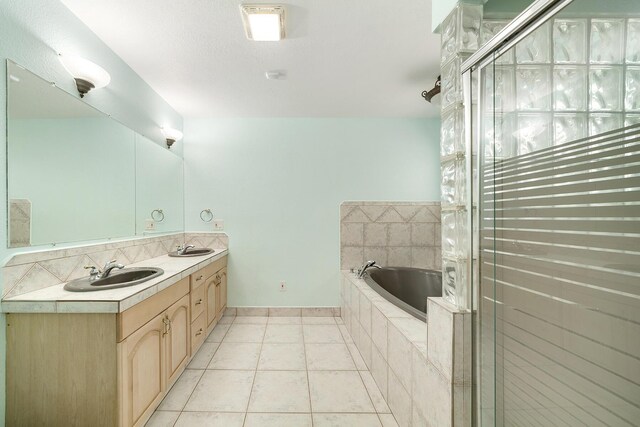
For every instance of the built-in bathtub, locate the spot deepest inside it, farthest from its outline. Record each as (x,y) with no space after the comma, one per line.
(405,287)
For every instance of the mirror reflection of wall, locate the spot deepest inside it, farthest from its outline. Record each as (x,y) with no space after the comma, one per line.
(75,174)
(159,186)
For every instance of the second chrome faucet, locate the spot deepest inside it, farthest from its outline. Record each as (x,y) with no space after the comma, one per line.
(106,270)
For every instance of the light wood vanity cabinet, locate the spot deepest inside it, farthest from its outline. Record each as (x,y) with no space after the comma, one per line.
(143,373)
(108,369)
(152,358)
(212,313)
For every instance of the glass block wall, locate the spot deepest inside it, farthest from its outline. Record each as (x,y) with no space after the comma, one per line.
(581,77)
(460,33)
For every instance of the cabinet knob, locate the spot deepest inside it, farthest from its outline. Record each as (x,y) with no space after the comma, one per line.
(199,278)
(199,301)
(199,332)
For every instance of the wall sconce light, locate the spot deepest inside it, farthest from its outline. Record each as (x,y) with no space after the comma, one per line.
(171,135)
(429,94)
(86,74)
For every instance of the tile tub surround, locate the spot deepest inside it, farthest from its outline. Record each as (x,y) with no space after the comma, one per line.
(54,299)
(30,271)
(399,234)
(422,370)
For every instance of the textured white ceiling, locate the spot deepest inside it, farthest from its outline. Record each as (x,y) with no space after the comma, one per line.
(342,58)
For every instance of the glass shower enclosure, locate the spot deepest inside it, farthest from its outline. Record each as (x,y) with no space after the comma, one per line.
(553,108)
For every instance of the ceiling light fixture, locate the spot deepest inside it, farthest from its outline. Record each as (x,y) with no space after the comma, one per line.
(86,74)
(171,135)
(263,23)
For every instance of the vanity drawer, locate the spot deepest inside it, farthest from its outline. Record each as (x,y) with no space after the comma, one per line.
(215,266)
(198,332)
(197,302)
(198,278)
(134,318)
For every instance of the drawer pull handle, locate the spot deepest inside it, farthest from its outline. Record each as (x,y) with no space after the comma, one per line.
(199,332)
(199,278)
(167,324)
(199,301)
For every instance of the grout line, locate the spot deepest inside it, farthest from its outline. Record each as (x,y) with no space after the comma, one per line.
(255,372)
(306,368)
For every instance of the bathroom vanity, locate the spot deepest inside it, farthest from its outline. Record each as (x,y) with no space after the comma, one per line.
(113,365)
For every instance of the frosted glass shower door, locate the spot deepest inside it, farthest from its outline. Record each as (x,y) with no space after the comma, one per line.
(557,298)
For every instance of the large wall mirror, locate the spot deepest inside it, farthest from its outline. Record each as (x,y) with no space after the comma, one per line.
(76,174)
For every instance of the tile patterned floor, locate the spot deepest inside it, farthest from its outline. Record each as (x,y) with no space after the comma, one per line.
(275,372)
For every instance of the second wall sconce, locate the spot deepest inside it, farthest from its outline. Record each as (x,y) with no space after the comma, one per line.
(171,135)
(86,74)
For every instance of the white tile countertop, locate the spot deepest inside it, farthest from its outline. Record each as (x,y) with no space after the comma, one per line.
(54,299)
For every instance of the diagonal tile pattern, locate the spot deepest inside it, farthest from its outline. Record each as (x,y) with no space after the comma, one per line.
(280,373)
(399,234)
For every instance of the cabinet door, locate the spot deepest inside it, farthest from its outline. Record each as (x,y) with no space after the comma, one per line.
(218,299)
(223,289)
(142,372)
(210,291)
(177,339)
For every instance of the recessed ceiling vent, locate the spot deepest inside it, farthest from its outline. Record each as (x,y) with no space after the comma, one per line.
(263,23)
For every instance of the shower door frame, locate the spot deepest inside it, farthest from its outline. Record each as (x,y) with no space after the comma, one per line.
(472,69)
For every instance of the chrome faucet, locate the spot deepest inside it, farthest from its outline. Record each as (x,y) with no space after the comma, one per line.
(106,270)
(365,266)
(94,273)
(182,249)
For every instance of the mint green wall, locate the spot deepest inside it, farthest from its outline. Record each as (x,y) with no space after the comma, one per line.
(440,9)
(159,185)
(278,185)
(32,32)
(50,156)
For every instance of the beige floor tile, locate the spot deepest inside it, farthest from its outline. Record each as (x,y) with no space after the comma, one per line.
(251,320)
(280,391)
(329,357)
(225,320)
(210,419)
(278,420)
(283,334)
(388,420)
(282,357)
(338,391)
(162,419)
(346,420)
(285,320)
(211,395)
(315,334)
(181,391)
(245,333)
(231,355)
(325,320)
(357,357)
(374,393)
(203,356)
(218,332)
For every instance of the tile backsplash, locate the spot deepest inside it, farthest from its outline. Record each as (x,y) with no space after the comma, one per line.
(30,271)
(19,223)
(398,234)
